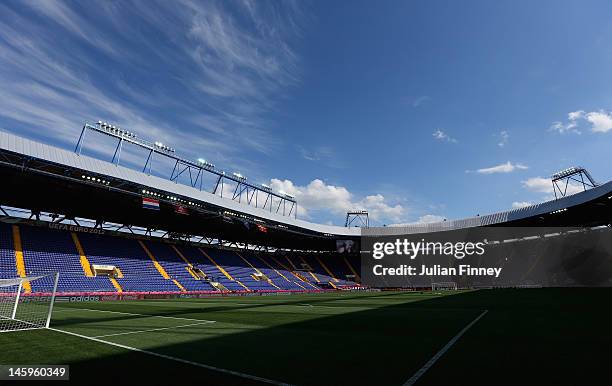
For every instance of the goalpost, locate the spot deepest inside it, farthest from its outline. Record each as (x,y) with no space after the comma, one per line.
(26,303)
(444,286)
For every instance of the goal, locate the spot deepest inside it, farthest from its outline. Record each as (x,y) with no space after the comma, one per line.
(26,303)
(444,286)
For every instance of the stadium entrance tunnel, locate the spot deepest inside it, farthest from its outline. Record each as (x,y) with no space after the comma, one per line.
(307,340)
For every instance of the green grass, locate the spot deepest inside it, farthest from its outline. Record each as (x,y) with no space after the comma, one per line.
(529,336)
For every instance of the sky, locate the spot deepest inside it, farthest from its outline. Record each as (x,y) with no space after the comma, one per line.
(416,111)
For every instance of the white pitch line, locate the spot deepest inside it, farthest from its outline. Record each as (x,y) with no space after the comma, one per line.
(208,367)
(278,304)
(152,329)
(130,313)
(207,303)
(443,350)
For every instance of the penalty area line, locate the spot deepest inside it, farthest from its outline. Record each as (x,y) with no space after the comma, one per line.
(164,356)
(152,330)
(442,351)
(132,314)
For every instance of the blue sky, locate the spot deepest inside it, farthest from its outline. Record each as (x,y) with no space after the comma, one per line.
(414,110)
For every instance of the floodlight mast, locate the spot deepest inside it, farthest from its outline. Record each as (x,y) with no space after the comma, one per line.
(561,180)
(279,203)
(360,216)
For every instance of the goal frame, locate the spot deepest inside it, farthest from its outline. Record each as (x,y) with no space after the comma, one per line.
(39,319)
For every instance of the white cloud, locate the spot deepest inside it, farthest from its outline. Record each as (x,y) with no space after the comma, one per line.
(571,126)
(601,121)
(575,115)
(420,100)
(61,13)
(425,219)
(442,136)
(318,195)
(503,138)
(224,69)
(521,204)
(544,185)
(538,185)
(507,167)
(429,219)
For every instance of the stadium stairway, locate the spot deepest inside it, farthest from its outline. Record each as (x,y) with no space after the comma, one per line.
(287,271)
(82,258)
(199,259)
(19,259)
(258,272)
(323,272)
(309,269)
(280,279)
(116,284)
(302,270)
(176,267)
(229,281)
(326,269)
(352,269)
(189,267)
(160,268)
(236,267)
(339,267)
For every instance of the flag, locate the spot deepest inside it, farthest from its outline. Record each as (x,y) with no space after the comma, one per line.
(262,228)
(181,210)
(149,203)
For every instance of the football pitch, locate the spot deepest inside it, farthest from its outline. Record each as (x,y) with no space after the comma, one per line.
(485,337)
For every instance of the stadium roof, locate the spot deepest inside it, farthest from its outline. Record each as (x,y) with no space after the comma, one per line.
(535,215)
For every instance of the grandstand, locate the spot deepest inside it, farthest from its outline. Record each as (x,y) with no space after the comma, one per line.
(95,263)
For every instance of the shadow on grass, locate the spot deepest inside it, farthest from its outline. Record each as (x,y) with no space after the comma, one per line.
(526,338)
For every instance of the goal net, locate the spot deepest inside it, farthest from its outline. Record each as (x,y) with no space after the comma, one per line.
(444,286)
(26,303)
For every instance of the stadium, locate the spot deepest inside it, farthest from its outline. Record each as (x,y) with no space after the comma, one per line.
(305,192)
(203,275)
